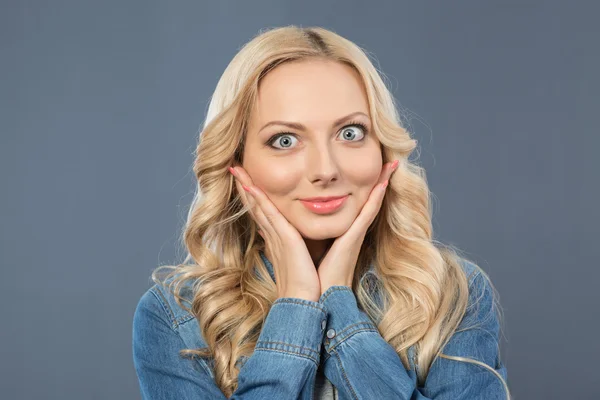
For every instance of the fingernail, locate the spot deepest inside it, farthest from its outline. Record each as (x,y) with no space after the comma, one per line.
(395,164)
(232,171)
(246,188)
(384,185)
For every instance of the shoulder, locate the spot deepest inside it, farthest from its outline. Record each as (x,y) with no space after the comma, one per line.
(162,328)
(159,306)
(161,302)
(470,269)
(482,307)
(477,278)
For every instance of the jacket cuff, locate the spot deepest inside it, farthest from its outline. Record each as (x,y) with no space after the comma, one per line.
(344,318)
(294,326)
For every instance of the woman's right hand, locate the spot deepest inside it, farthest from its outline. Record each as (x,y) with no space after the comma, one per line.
(295,272)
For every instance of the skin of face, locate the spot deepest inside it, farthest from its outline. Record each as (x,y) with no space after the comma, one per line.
(320,160)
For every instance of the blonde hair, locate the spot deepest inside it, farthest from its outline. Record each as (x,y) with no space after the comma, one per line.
(424,288)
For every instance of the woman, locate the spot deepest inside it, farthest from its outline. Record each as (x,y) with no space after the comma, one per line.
(307,276)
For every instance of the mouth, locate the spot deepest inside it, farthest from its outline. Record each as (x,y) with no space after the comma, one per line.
(323,199)
(324,205)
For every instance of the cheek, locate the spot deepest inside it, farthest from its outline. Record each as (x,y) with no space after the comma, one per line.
(278,184)
(363,172)
(277,181)
(363,175)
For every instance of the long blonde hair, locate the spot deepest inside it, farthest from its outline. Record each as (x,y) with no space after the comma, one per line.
(424,288)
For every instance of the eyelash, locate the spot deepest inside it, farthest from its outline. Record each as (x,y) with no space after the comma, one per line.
(273,138)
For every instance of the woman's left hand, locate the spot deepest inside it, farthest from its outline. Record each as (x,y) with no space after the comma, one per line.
(337,268)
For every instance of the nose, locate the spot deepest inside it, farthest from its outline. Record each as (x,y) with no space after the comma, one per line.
(322,165)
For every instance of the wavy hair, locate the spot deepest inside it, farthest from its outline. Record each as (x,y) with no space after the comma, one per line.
(424,288)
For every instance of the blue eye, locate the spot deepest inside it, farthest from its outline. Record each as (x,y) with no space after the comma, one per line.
(351,130)
(283,138)
(348,131)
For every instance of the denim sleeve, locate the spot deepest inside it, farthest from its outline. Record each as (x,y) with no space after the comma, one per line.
(362,365)
(283,365)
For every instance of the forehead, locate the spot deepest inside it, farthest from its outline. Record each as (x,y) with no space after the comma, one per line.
(309,91)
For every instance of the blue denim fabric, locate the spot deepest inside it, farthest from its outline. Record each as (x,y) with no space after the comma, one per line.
(300,335)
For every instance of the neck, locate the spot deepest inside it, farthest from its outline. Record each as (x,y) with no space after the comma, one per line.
(317,249)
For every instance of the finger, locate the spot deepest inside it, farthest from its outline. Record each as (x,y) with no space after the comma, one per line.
(247,199)
(370,209)
(253,208)
(387,170)
(373,204)
(257,210)
(278,224)
(240,173)
(267,207)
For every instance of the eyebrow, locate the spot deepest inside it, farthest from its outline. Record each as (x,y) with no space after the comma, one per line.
(300,127)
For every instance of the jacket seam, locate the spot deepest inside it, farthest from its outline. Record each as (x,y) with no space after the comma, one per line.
(163,302)
(282,300)
(175,321)
(287,344)
(185,318)
(482,372)
(369,325)
(348,336)
(336,289)
(268,349)
(343,371)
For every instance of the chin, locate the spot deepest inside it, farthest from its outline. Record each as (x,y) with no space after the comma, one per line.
(333,227)
(320,236)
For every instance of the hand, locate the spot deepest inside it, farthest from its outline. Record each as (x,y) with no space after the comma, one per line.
(337,268)
(295,272)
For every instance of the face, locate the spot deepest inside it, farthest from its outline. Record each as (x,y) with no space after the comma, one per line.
(326,151)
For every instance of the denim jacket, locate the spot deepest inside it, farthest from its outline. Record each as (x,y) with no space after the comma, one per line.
(300,338)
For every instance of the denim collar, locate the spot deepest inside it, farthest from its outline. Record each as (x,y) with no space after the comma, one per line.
(268,264)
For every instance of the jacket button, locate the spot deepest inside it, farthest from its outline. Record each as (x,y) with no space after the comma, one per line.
(323,323)
(331,333)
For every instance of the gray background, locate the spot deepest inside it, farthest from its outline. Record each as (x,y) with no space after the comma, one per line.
(100,107)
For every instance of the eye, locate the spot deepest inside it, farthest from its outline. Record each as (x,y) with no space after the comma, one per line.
(350,131)
(283,139)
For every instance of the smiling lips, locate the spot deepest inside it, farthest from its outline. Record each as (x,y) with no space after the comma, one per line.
(324,205)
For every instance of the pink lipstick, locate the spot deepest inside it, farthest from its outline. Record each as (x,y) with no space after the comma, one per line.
(324,205)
